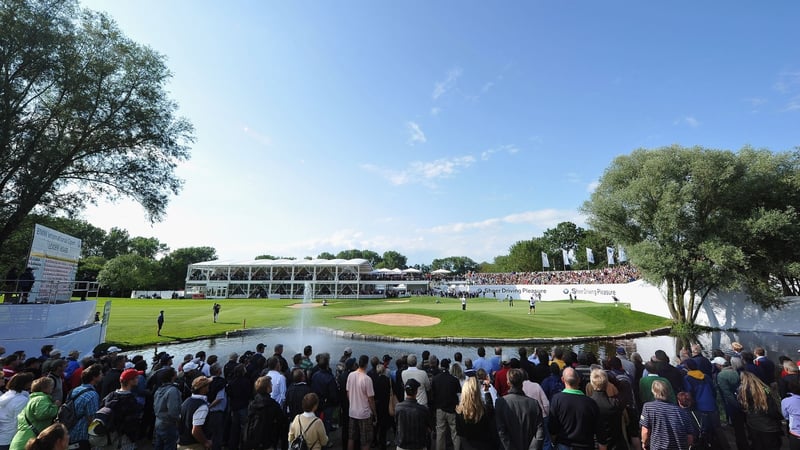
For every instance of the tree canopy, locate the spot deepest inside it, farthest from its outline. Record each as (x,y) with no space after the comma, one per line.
(84,115)
(697,220)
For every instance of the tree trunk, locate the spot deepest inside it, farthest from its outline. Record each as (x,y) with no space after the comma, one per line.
(671,298)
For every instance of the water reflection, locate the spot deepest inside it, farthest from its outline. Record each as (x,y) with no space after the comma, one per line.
(294,340)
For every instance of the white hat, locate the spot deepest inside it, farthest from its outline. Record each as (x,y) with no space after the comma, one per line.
(189,366)
(719,360)
(129,365)
(114,349)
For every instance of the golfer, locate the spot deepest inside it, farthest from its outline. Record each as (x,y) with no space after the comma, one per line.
(160,322)
(532,305)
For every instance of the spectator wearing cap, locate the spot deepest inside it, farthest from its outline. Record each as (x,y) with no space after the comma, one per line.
(194,412)
(445,389)
(361,398)
(520,423)
(127,411)
(501,376)
(412,419)
(627,365)
(422,378)
(348,352)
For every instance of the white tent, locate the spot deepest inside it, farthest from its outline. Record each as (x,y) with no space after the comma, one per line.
(440,271)
(412,270)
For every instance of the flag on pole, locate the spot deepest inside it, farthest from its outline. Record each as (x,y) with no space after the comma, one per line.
(610,253)
(545,261)
(622,255)
(565,257)
(572,258)
(589,255)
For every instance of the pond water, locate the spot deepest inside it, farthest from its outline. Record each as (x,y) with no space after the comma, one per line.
(295,339)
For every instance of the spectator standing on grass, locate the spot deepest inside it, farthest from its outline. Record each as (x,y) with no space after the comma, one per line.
(665,426)
(12,402)
(361,397)
(475,423)
(412,419)
(160,322)
(519,419)
(573,415)
(790,407)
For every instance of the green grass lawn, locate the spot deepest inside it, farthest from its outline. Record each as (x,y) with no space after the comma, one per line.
(133,322)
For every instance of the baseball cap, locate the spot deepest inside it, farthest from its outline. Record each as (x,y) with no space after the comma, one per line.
(387,358)
(411,385)
(620,350)
(719,360)
(128,365)
(129,374)
(189,366)
(113,349)
(348,350)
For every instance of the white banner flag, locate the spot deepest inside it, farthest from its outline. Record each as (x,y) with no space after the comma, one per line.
(610,253)
(565,257)
(572,258)
(589,255)
(622,255)
(545,261)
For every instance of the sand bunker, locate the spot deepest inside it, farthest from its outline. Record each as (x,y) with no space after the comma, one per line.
(305,305)
(397,319)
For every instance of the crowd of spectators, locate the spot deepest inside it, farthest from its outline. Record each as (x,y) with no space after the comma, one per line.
(512,400)
(610,275)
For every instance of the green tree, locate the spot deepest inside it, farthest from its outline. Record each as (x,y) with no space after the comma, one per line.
(326,255)
(393,259)
(117,242)
(688,217)
(175,265)
(84,115)
(274,257)
(369,255)
(148,247)
(129,272)
(456,264)
(89,268)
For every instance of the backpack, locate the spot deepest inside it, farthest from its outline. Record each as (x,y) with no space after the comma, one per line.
(67,414)
(102,427)
(299,443)
(116,417)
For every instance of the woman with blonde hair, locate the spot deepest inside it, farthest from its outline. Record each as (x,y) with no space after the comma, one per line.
(54,437)
(762,412)
(37,415)
(475,417)
(609,422)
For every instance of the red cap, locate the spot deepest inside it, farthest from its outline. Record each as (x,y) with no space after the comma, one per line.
(129,374)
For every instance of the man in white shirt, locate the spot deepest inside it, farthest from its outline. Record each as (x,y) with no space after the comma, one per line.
(278,381)
(422,378)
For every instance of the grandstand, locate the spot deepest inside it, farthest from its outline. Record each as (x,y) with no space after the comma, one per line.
(284,278)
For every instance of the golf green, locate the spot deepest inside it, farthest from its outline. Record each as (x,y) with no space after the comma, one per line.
(132,322)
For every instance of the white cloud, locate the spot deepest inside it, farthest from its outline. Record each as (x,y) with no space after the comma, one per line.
(541,219)
(793,105)
(435,111)
(425,172)
(415,134)
(687,120)
(756,101)
(591,187)
(441,87)
(486,87)
(510,149)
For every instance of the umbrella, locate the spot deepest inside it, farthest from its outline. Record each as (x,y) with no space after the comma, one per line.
(440,271)
(411,270)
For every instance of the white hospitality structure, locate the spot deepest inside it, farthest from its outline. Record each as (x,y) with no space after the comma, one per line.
(287,278)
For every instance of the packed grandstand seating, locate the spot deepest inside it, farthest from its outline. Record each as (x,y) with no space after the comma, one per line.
(611,275)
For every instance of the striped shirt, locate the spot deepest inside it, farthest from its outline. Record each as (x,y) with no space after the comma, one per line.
(668,424)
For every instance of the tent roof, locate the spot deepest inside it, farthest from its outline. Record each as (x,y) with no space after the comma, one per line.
(363,265)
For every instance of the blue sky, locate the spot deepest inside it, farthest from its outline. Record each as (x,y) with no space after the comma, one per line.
(443,128)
